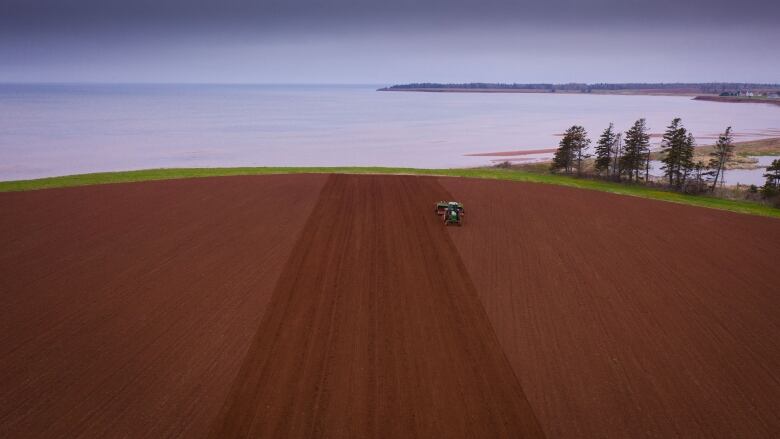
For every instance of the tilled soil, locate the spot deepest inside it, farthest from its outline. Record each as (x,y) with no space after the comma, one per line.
(340,306)
(626,317)
(126,310)
(375,330)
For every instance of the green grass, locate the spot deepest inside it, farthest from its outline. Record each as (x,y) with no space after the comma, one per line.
(485,173)
(748,148)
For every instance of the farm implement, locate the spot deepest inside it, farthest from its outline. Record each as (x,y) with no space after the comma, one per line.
(451,212)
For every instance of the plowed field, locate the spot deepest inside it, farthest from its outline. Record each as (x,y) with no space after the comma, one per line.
(340,306)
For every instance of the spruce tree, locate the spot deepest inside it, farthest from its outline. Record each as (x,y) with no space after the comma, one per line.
(724,150)
(579,145)
(618,157)
(564,155)
(686,160)
(604,149)
(637,145)
(672,146)
(772,176)
(571,150)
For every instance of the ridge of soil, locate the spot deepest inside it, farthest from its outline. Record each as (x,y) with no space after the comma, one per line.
(375,330)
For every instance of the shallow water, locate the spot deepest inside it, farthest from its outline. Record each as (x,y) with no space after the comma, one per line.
(732,176)
(56,130)
(749,176)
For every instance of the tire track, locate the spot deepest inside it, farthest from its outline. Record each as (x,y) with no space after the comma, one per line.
(375,330)
(126,309)
(626,317)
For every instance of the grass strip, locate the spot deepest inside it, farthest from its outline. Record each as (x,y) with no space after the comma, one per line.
(485,173)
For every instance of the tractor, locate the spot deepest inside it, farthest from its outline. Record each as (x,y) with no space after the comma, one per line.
(451,212)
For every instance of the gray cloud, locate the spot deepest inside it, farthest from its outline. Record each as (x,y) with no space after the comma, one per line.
(374,41)
(32,13)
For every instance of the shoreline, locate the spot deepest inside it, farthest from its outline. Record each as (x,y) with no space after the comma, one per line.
(638,92)
(512,153)
(696,96)
(738,99)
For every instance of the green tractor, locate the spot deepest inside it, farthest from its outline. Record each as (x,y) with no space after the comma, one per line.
(451,212)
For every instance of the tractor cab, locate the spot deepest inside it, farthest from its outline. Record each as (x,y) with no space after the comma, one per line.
(451,212)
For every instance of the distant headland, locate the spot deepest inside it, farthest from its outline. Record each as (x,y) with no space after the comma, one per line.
(719,89)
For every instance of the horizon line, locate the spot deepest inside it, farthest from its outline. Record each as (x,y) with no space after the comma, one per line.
(373,84)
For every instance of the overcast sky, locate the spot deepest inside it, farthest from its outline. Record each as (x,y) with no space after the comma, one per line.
(387,42)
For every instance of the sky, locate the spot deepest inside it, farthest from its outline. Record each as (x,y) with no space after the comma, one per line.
(387,42)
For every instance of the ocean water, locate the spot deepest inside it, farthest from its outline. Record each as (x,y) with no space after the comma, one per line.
(48,130)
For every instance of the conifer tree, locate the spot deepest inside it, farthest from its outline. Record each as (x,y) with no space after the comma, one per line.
(580,145)
(772,185)
(724,150)
(571,150)
(617,157)
(604,149)
(564,155)
(671,146)
(677,147)
(686,160)
(637,145)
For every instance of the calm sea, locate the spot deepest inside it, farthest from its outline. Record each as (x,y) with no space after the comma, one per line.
(48,130)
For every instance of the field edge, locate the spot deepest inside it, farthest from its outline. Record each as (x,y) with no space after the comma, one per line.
(480,173)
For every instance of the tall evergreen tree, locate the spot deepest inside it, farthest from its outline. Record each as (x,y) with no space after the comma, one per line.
(564,155)
(604,149)
(580,145)
(617,157)
(677,148)
(637,145)
(571,150)
(772,176)
(686,160)
(671,146)
(724,150)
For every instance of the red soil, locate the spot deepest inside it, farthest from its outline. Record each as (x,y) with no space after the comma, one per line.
(126,309)
(625,317)
(301,306)
(376,330)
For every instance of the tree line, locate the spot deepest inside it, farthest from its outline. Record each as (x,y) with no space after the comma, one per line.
(626,156)
(707,87)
